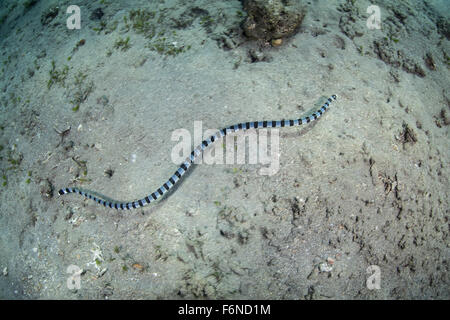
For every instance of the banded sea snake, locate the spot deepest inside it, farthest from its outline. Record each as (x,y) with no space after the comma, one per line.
(176,177)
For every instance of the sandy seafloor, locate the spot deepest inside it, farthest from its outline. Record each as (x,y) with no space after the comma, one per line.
(367,184)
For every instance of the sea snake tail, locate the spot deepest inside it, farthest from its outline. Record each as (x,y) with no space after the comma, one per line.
(184,167)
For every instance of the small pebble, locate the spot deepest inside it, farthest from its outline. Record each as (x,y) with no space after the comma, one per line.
(137,266)
(277,42)
(256,55)
(325,267)
(229,43)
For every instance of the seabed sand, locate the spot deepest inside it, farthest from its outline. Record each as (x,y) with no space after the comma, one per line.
(365,185)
